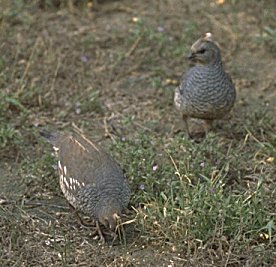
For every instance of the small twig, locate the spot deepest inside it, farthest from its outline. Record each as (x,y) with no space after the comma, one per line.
(107,132)
(134,46)
(142,126)
(228,256)
(254,138)
(27,67)
(177,170)
(31,204)
(128,222)
(54,80)
(79,130)
(249,197)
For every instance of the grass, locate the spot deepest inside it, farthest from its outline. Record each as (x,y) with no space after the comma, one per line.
(194,203)
(195,191)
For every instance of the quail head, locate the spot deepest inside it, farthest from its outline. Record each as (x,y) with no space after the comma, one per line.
(90,179)
(206,91)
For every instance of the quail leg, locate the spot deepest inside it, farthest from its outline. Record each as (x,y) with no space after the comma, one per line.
(207,126)
(102,240)
(81,222)
(185,120)
(79,219)
(121,233)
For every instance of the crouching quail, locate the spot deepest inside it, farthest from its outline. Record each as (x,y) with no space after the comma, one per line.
(90,179)
(206,91)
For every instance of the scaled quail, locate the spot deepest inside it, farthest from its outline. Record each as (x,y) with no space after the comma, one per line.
(90,179)
(205,91)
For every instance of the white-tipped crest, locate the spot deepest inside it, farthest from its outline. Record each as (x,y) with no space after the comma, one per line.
(208,37)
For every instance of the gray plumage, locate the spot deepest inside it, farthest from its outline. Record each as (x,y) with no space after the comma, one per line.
(90,178)
(206,91)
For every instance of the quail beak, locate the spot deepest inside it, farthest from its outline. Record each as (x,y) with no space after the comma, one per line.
(191,56)
(113,223)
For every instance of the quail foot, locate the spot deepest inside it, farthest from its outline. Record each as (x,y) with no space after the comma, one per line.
(206,91)
(90,179)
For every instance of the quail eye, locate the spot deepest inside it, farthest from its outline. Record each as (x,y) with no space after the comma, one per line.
(201,51)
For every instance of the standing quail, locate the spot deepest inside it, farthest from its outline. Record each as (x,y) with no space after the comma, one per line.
(205,91)
(90,179)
